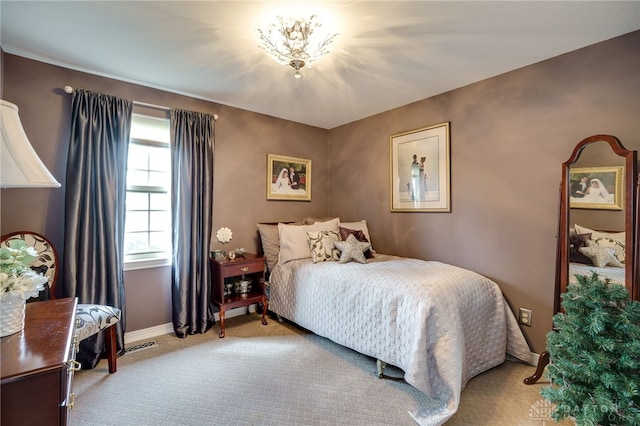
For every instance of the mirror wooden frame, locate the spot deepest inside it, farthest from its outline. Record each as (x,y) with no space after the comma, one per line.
(630,209)
(631,193)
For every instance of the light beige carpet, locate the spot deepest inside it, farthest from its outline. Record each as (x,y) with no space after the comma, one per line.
(280,374)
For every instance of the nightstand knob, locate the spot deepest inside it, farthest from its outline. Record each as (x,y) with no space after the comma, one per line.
(244,268)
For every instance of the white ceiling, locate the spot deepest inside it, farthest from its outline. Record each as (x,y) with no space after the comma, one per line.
(387,54)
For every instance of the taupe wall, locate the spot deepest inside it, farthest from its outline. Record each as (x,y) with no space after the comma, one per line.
(243,139)
(509,136)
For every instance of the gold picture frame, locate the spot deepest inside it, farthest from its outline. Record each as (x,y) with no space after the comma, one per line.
(298,189)
(420,170)
(603,188)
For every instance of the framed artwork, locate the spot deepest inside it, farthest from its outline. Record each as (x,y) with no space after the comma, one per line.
(420,170)
(596,188)
(288,178)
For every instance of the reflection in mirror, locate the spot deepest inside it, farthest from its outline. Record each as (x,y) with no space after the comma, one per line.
(596,214)
(598,228)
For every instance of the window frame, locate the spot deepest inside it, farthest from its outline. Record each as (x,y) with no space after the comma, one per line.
(162,258)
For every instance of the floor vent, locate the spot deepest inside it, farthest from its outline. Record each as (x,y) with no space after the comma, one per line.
(140,347)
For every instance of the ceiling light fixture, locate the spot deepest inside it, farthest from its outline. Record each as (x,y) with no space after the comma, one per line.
(295,42)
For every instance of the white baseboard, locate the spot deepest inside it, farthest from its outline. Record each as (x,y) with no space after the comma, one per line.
(159,330)
(148,333)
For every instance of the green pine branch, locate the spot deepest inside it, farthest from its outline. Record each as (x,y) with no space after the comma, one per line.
(595,355)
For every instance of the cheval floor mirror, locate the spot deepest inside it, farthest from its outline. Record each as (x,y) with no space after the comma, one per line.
(607,215)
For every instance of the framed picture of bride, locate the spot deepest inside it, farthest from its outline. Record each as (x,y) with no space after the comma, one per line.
(288,178)
(596,188)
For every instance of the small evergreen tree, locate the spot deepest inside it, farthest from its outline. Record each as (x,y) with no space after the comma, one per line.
(595,355)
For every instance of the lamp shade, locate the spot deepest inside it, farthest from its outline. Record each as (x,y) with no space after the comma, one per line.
(21,166)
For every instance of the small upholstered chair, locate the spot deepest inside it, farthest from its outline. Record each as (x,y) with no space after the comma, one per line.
(90,319)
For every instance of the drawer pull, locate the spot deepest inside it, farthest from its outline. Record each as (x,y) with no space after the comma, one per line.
(72,400)
(75,365)
(244,268)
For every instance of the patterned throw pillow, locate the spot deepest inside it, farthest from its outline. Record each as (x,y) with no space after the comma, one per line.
(322,245)
(618,236)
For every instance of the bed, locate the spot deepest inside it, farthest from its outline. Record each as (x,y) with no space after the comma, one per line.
(596,251)
(614,275)
(440,324)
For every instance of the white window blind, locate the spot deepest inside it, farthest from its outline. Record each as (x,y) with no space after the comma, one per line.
(148,205)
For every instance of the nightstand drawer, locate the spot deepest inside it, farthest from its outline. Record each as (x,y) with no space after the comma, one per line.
(231,270)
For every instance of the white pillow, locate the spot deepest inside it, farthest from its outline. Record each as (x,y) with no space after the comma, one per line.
(358,226)
(618,236)
(294,242)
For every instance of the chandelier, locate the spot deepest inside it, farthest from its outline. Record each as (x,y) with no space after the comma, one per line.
(295,42)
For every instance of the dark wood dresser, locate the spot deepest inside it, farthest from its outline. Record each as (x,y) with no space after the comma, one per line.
(38,365)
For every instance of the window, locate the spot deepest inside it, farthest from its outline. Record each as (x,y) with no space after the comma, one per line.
(147,241)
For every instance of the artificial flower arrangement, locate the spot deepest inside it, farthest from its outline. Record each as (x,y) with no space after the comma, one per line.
(16,275)
(224,235)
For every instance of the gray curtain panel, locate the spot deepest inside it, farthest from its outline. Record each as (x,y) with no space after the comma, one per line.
(192,142)
(95,209)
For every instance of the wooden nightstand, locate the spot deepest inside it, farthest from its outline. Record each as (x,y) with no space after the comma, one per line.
(251,267)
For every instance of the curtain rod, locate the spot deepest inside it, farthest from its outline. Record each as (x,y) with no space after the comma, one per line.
(69,89)
(144,104)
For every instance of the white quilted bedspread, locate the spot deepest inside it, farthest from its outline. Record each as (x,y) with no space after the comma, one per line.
(616,275)
(439,323)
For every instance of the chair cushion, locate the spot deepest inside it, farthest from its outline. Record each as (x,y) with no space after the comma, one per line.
(92,318)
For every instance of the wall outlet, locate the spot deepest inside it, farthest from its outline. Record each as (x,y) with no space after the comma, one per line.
(525,317)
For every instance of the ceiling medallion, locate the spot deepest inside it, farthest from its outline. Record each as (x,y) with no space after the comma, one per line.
(295,42)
